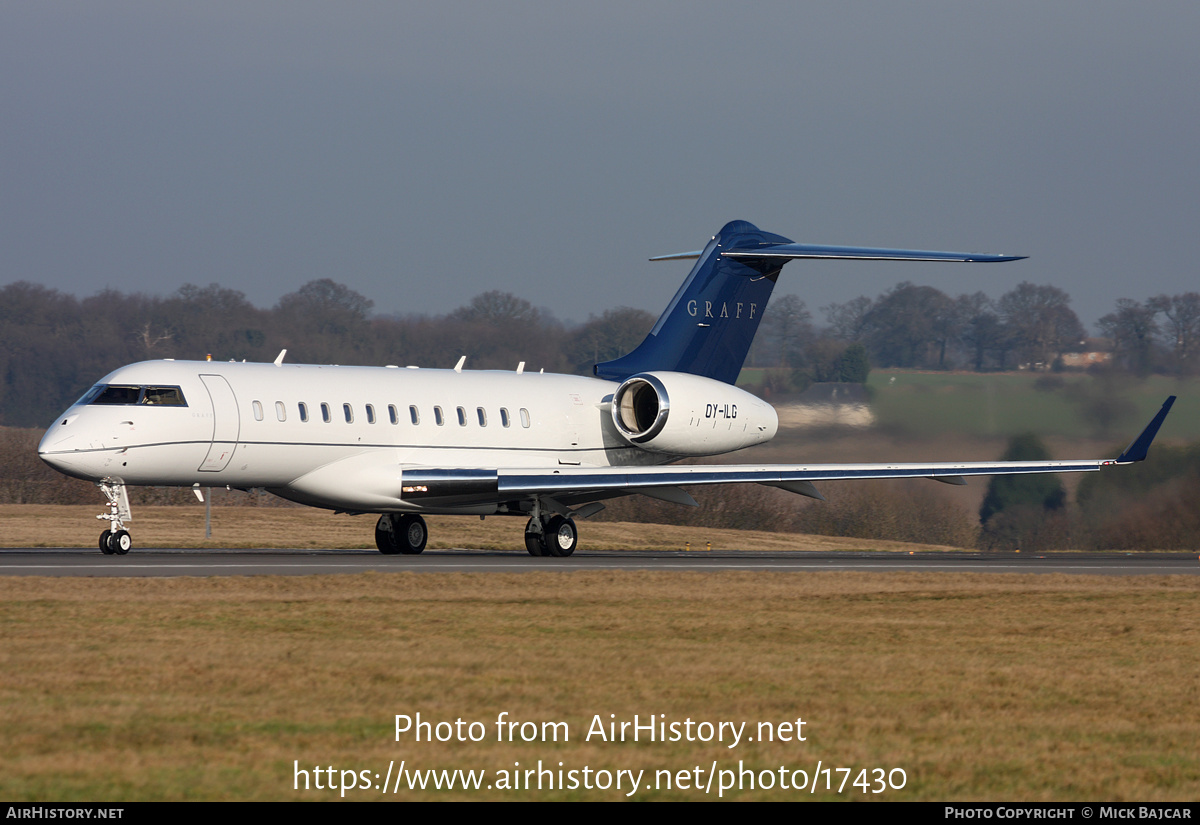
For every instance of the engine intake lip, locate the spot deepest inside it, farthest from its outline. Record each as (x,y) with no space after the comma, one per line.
(640,407)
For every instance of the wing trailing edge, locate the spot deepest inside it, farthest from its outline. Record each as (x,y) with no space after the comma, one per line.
(576,481)
(531,482)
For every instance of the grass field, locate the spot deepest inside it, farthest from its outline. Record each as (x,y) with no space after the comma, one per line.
(49,525)
(1004,404)
(977,687)
(989,405)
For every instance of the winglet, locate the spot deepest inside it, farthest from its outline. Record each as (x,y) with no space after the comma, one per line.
(1137,449)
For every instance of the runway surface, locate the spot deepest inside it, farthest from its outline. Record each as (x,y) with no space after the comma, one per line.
(155,562)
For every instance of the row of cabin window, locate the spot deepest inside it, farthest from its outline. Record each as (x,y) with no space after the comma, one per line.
(413,413)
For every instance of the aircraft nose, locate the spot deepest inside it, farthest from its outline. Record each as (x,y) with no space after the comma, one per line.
(55,460)
(58,448)
(49,450)
(57,437)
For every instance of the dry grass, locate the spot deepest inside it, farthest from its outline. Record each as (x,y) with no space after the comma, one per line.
(980,687)
(49,525)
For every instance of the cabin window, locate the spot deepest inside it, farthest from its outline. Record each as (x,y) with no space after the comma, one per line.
(482,417)
(392,414)
(414,415)
(370,414)
(348,412)
(325,414)
(303,411)
(258,413)
(462,417)
(280,412)
(437,416)
(504,419)
(524,418)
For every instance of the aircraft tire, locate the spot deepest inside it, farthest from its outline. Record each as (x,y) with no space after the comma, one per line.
(120,542)
(385,539)
(533,541)
(411,535)
(561,536)
(104,546)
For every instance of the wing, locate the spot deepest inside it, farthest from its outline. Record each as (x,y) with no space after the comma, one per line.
(570,486)
(581,483)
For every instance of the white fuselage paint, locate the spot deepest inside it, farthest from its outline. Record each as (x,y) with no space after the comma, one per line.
(231,432)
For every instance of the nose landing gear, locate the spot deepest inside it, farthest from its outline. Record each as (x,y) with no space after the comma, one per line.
(116,540)
(115,544)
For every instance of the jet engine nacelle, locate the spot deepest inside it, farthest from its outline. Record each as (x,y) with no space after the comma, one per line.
(681,414)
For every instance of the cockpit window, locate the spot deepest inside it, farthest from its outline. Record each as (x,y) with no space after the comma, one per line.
(90,394)
(114,394)
(164,397)
(119,394)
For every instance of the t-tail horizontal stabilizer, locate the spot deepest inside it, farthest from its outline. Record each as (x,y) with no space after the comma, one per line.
(846,253)
(863,253)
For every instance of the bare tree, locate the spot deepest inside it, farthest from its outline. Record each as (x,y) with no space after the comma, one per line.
(911,326)
(498,308)
(1041,321)
(848,321)
(1183,326)
(1132,330)
(981,330)
(784,334)
(615,333)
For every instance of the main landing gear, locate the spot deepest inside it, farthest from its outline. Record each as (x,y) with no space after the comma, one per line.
(115,541)
(546,533)
(556,536)
(405,534)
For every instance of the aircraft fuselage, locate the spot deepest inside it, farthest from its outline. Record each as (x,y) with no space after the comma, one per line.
(298,429)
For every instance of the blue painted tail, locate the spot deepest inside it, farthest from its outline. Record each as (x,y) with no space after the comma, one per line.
(709,325)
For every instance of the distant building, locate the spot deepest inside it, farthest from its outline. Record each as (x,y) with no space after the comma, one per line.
(1083,360)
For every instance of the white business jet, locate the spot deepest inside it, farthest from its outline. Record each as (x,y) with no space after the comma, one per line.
(404,442)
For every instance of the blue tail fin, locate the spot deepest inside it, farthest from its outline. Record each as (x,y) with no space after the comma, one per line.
(709,325)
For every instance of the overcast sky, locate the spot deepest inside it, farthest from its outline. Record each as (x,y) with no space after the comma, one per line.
(422,153)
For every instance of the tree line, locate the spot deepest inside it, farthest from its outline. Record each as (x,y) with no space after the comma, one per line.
(1029,327)
(53,346)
